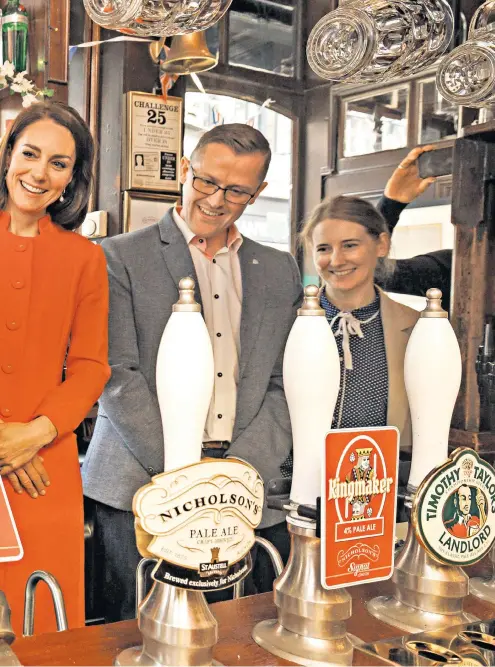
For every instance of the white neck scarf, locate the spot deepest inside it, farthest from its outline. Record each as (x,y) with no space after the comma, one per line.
(349,326)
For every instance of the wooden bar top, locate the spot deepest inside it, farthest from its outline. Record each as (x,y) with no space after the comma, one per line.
(99,645)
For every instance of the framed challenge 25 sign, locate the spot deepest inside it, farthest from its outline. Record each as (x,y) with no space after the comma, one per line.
(152,142)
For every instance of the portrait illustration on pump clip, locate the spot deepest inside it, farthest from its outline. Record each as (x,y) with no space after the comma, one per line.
(361,472)
(464,513)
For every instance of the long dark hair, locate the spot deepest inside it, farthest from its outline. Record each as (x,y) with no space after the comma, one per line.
(70,212)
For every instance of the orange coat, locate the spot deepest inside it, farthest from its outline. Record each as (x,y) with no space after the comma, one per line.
(53,309)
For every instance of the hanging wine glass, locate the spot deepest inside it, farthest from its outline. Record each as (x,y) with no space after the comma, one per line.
(466,76)
(340,44)
(376,40)
(108,13)
(198,15)
(134,17)
(155,18)
(147,18)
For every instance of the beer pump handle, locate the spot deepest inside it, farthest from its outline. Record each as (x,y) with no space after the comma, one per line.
(311,372)
(282,502)
(432,374)
(184,381)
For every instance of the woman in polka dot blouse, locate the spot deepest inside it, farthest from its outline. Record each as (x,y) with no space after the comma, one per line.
(349,242)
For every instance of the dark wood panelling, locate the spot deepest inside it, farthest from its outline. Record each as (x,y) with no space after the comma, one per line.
(58,45)
(38,39)
(472,214)
(48,49)
(317,131)
(80,64)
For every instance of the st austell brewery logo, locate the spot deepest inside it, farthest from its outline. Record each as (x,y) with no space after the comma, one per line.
(453,512)
(359,509)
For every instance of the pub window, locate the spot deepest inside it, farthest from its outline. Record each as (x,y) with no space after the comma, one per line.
(262,35)
(439,119)
(374,122)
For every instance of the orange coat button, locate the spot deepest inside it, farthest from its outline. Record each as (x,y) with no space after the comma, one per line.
(5,412)
(7,368)
(12,325)
(20,247)
(18,284)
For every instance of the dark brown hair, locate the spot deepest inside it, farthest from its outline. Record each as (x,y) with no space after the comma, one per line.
(352,209)
(240,138)
(71,212)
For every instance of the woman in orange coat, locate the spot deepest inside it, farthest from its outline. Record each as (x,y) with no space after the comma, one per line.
(54,309)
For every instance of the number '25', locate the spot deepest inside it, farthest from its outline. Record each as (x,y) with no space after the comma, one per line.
(156,117)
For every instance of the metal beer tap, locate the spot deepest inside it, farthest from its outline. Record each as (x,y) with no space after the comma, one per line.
(57,597)
(177,625)
(428,594)
(7,656)
(311,620)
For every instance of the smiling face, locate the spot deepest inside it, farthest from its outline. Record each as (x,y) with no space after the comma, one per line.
(210,216)
(40,168)
(346,254)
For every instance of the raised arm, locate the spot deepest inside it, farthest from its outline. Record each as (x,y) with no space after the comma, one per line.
(413,275)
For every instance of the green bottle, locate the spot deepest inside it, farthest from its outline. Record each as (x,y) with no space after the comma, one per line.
(15,35)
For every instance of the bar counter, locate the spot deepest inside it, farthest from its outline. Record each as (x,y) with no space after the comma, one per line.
(99,645)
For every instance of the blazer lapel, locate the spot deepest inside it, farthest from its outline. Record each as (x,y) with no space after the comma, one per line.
(176,253)
(397,325)
(253,300)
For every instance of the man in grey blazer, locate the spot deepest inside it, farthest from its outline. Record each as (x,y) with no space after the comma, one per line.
(249,294)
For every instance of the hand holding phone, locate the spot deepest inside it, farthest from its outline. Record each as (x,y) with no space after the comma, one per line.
(436,162)
(406,184)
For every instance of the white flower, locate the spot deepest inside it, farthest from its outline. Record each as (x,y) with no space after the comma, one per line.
(20,84)
(352,458)
(28,99)
(7,69)
(369,511)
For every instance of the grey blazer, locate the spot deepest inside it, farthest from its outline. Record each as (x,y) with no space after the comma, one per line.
(144,271)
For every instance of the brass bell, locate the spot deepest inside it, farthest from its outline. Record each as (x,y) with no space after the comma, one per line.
(188,53)
(155,49)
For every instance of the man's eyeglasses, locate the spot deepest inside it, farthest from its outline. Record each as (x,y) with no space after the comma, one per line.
(233,195)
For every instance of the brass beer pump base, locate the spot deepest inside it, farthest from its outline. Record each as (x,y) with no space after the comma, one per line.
(178,628)
(135,656)
(288,645)
(310,627)
(408,619)
(428,595)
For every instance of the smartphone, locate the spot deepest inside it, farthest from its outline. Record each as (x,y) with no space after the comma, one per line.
(436,163)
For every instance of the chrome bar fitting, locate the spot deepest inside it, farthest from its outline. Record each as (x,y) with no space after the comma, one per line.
(57,597)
